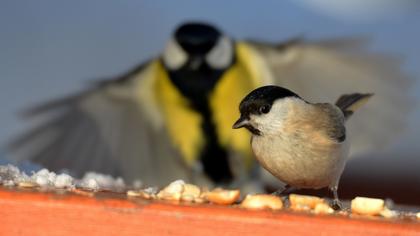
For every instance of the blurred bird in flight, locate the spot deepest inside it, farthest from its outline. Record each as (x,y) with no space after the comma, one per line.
(170,117)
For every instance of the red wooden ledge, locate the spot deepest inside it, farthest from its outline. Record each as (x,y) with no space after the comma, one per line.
(34,213)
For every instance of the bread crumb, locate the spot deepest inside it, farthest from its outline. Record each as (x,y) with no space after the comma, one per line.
(191,193)
(367,206)
(173,191)
(387,213)
(222,196)
(27,184)
(323,208)
(262,201)
(304,202)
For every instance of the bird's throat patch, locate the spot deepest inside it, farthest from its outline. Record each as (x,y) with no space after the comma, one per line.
(182,122)
(199,119)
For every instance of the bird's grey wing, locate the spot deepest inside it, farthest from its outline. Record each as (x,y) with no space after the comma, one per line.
(331,121)
(322,71)
(110,128)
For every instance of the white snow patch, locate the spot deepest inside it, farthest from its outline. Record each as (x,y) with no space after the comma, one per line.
(97,181)
(11,175)
(46,178)
(151,190)
(64,181)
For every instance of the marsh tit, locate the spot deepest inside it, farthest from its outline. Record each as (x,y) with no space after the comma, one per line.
(303,144)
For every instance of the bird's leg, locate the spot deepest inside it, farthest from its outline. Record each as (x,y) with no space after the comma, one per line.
(336,204)
(286,190)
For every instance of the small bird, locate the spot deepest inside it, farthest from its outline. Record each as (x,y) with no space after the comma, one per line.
(170,117)
(303,144)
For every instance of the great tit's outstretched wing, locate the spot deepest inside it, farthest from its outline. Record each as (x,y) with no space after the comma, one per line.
(112,128)
(322,71)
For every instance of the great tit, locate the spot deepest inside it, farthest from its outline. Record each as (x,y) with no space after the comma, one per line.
(170,117)
(301,143)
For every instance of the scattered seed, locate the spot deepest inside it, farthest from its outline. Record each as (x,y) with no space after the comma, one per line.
(191,190)
(387,213)
(323,208)
(367,206)
(172,192)
(27,184)
(304,202)
(222,196)
(262,201)
(83,192)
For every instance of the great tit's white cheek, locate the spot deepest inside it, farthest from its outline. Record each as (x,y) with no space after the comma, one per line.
(221,55)
(174,56)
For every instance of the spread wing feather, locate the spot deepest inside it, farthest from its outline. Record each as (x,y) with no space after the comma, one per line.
(104,129)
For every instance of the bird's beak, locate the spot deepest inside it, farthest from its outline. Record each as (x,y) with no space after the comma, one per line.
(241,122)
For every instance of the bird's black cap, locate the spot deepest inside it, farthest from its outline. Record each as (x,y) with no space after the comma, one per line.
(197,38)
(261,99)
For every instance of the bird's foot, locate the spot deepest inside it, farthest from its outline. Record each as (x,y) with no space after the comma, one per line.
(337,205)
(277,193)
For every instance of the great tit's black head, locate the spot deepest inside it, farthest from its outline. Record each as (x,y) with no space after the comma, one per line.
(196,57)
(197,38)
(195,45)
(258,103)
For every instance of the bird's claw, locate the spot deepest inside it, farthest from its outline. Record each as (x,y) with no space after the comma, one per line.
(337,205)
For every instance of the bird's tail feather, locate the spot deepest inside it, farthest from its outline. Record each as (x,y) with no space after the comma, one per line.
(349,103)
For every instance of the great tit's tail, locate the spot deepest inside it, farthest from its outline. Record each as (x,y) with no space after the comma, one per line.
(349,103)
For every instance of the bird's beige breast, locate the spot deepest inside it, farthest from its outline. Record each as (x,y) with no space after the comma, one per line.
(299,160)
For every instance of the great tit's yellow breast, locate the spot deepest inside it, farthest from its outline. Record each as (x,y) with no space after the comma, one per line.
(182,122)
(248,73)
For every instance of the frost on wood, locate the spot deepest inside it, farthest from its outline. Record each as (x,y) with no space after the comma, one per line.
(11,176)
(63,181)
(96,181)
(46,178)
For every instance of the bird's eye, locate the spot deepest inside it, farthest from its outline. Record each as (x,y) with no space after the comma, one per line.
(265,109)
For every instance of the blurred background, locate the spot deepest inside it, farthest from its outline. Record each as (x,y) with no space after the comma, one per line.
(50,48)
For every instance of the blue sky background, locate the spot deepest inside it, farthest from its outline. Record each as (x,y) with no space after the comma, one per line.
(49,48)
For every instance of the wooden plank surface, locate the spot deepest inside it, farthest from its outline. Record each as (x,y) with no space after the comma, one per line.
(34,213)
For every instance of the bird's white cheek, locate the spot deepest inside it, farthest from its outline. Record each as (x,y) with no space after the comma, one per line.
(267,123)
(255,121)
(174,56)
